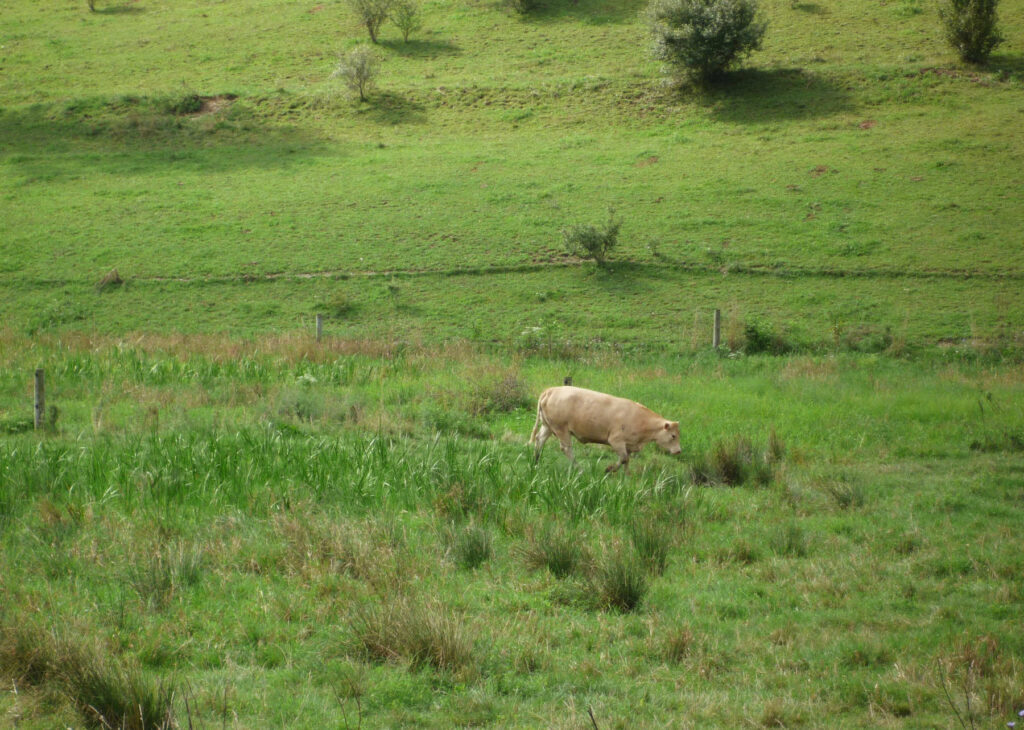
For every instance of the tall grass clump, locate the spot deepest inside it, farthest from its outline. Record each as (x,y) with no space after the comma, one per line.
(555,548)
(421,634)
(620,580)
(167,571)
(971,28)
(471,546)
(735,462)
(652,538)
(106,693)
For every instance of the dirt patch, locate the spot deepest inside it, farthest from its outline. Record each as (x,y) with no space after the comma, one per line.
(214,104)
(646,162)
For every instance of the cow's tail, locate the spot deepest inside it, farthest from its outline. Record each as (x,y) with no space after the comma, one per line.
(536,425)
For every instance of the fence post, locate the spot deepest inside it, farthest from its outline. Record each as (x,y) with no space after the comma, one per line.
(716,336)
(319,326)
(568,380)
(40,400)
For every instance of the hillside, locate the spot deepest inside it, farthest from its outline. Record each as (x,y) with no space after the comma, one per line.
(852,179)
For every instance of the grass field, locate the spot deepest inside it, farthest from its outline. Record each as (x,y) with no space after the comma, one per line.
(228,524)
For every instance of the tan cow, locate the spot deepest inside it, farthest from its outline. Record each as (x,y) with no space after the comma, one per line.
(598,418)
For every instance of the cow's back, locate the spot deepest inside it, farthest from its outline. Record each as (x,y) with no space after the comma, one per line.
(588,414)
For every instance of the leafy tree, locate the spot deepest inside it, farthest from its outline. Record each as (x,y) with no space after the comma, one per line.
(703,38)
(405,14)
(970,27)
(372,14)
(358,70)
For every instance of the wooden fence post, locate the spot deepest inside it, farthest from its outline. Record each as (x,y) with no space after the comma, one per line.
(716,336)
(40,400)
(568,380)
(319,326)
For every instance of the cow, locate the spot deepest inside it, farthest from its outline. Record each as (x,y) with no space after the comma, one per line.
(599,418)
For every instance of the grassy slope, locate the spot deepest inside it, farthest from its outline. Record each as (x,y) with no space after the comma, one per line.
(483,142)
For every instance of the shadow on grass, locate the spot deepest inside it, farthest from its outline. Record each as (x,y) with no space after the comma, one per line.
(386,107)
(421,49)
(49,142)
(756,96)
(592,12)
(1006,65)
(124,9)
(810,8)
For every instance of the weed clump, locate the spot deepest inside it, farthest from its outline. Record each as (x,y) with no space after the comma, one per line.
(652,539)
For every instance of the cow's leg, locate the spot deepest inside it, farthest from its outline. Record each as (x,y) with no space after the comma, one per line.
(540,437)
(565,440)
(623,461)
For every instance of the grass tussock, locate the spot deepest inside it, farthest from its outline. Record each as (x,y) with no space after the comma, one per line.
(469,546)
(423,634)
(106,693)
(735,462)
(619,580)
(165,572)
(555,548)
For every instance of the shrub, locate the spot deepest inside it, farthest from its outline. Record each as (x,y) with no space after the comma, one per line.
(371,14)
(970,27)
(358,70)
(405,14)
(590,242)
(703,38)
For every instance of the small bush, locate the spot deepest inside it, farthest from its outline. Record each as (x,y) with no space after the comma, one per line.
(405,14)
(371,14)
(503,394)
(620,581)
(590,242)
(703,38)
(971,28)
(555,548)
(358,70)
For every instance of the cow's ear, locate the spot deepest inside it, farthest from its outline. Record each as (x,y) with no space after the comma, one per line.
(668,425)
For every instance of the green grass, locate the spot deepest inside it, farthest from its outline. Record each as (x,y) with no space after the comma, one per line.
(226,523)
(267,563)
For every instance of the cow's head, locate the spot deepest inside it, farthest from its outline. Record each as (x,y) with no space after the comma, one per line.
(668,437)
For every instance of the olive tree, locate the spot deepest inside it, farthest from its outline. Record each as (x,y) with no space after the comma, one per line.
(358,70)
(405,14)
(372,14)
(703,38)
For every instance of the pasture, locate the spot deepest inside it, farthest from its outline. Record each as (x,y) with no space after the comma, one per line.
(228,524)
